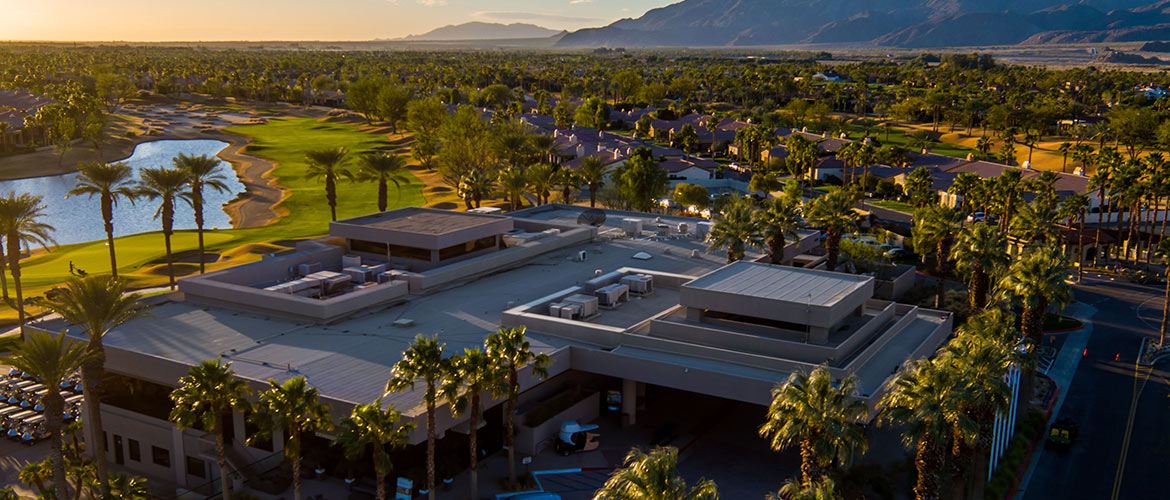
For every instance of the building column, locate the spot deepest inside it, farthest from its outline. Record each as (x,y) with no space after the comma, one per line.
(178,457)
(240,433)
(629,403)
(277,440)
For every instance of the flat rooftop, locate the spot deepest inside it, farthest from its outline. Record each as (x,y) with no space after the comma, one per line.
(422,221)
(784,284)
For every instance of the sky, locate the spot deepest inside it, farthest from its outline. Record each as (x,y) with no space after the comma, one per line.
(211,20)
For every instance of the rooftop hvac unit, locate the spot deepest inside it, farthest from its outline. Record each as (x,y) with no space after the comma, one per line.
(359,274)
(582,256)
(570,311)
(388,276)
(640,284)
(350,261)
(612,295)
(588,304)
(309,268)
(702,229)
(335,284)
(632,227)
(683,228)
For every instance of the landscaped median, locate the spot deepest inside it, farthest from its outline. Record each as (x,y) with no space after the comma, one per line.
(142,258)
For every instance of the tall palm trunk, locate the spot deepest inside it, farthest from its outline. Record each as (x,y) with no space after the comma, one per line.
(382,194)
(197,204)
(1165,309)
(296,464)
(430,450)
(1081,248)
(473,423)
(926,463)
(510,425)
(225,482)
(3,273)
(833,248)
(108,217)
(168,222)
(54,407)
(776,246)
(380,481)
(960,463)
(91,379)
(592,196)
(980,282)
(809,470)
(1100,221)
(14,267)
(331,195)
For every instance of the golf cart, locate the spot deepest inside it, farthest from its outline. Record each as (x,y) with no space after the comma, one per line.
(1062,434)
(575,438)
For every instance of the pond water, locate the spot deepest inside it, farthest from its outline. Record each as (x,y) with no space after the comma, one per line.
(78,218)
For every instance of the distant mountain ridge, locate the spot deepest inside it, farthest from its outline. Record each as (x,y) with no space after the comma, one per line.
(894,23)
(484,31)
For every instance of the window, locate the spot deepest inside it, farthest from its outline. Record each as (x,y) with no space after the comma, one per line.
(367,247)
(196,467)
(412,253)
(105,442)
(466,248)
(135,453)
(160,456)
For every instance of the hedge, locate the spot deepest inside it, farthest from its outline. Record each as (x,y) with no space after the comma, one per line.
(1029,433)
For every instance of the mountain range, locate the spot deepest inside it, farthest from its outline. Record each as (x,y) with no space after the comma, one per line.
(484,31)
(888,23)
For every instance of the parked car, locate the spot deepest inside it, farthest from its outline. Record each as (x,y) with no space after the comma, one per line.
(575,438)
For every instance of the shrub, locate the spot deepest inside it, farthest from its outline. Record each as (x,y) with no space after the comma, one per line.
(1028,432)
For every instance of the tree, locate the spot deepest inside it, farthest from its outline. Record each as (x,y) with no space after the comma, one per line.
(371,426)
(919,184)
(328,164)
(295,409)
(424,117)
(51,360)
(1036,223)
(822,419)
(653,476)
(362,97)
(1074,207)
(542,180)
(97,305)
(513,181)
(934,231)
(691,195)
(167,185)
(205,398)
(202,172)
(564,114)
(423,359)
(466,147)
(391,104)
(923,398)
(111,182)
(834,214)
(685,138)
(1133,127)
(641,181)
(21,223)
(383,168)
(980,251)
(472,373)
(1064,149)
(735,229)
(114,89)
(778,220)
(823,489)
(592,172)
(473,187)
(594,113)
(1036,281)
(510,351)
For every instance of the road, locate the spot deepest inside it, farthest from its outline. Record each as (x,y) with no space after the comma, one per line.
(1123,450)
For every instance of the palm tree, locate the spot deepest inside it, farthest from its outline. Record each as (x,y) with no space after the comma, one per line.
(167,185)
(981,250)
(111,182)
(127,487)
(735,229)
(823,489)
(569,181)
(821,419)
(778,220)
(653,476)
(541,180)
(20,220)
(1163,251)
(51,359)
(295,409)
(1036,222)
(1064,149)
(1008,190)
(833,213)
(513,181)
(473,372)
(510,351)
(923,398)
(1036,281)
(383,168)
(1074,207)
(96,305)
(474,186)
(423,359)
(328,164)
(592,174)
(370,425)
(206,397)
(202,173)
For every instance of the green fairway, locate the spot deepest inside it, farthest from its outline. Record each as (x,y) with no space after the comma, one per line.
(892,205)
(898,138)
(141,257)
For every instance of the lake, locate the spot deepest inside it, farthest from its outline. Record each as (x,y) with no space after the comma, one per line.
(78,218)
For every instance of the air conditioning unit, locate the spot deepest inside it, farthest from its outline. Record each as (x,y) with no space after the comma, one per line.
(613,295)
(582,256)
(309,268)
(632,227)
(588,304)
(351,261)
(640,284)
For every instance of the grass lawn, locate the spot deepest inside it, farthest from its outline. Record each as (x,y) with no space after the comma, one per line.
(141,257)
(898,138)
(892,205)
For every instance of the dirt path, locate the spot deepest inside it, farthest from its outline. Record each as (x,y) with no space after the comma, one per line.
(254,207)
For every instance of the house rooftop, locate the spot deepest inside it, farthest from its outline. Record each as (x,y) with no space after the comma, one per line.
(417,220)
